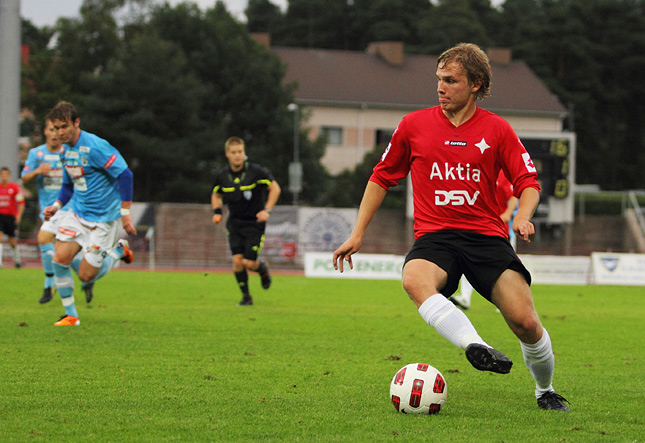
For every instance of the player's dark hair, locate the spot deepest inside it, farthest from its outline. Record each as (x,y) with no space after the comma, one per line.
(63,111)
(474,61)
(4,168)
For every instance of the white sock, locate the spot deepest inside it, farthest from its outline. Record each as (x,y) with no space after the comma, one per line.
(540,361)
(465,290)
(449,321)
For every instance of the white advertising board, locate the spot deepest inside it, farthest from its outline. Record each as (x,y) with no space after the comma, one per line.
(557,270)
(618,269)
(544,269)
(367,266)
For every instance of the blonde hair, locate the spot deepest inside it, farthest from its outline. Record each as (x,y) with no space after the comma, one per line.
(474,61)
(233,141)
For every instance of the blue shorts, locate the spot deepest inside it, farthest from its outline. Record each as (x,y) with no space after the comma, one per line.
(481,258)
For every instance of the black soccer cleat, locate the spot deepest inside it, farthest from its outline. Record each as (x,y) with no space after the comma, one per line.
(266,279)
(89,291)
(551,400)
(488,359)
(47,296)
(246,301)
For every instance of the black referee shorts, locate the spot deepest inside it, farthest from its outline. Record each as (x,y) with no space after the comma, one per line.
(481,258)
(8,225)
(245,237)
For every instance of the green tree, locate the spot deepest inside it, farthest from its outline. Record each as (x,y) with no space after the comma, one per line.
(316,24)
(263,16)
(452,22)
(169,99)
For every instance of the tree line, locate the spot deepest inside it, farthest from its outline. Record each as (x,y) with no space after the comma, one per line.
(168,84)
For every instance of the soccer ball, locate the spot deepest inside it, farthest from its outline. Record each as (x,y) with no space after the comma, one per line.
(418,388)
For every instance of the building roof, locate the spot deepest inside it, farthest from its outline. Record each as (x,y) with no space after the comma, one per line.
(354,78)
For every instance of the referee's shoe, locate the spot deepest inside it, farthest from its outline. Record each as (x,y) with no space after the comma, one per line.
(265,275)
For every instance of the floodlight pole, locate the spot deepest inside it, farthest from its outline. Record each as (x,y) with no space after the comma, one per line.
(9,83)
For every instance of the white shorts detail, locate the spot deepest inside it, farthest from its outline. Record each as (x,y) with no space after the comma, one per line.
(96,239)
(53,223)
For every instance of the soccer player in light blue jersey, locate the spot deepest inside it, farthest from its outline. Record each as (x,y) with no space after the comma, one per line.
(98,178)
(44,164)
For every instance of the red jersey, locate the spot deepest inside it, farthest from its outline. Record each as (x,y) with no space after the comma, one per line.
(454,169)
(10,198)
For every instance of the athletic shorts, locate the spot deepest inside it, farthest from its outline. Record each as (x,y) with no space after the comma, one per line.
(52,224)
(8,225)
(96,239)
(245,237)
(481,258)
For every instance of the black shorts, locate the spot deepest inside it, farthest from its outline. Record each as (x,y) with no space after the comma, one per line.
(245,237)
(481,258)
(8,225)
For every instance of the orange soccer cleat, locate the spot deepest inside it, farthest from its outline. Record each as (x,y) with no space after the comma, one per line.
(68,320)
(127,252)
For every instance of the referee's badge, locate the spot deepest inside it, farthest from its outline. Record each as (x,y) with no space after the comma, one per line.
(247,195)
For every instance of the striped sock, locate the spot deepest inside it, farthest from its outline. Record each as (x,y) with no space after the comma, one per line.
(65,285)
(46,256)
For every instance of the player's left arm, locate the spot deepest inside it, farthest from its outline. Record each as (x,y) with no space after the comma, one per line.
(528,202)
(126,189)
(272,199)
(507,215)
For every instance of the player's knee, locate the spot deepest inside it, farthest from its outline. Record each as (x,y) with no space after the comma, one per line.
(251,265)
(412,286)
(527,328)
(85,276)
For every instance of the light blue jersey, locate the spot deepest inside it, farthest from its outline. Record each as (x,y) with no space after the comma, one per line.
(93,165)
(47,186)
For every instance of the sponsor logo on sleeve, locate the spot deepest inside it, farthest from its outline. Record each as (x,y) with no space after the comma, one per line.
(110,161)
(528,162)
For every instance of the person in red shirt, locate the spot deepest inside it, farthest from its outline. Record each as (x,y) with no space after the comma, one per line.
(12,205)
(454,153)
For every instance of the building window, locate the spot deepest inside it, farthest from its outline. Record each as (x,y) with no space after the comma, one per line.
(333,134)
(383,136)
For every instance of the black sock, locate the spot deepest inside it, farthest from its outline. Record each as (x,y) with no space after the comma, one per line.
(242,280)
(262,269)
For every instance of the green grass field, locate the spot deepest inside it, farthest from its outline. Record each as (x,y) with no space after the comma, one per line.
(169,357)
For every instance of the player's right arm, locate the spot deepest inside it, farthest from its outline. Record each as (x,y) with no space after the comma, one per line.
(43,169)
(372,199)
(64,195)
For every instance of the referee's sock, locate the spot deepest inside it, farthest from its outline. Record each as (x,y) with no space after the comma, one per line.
(242,278)
(449,321)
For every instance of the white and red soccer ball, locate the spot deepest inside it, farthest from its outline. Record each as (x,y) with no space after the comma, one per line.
(418,388)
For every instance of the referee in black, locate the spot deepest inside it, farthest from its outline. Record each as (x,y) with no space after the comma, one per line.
(250,192)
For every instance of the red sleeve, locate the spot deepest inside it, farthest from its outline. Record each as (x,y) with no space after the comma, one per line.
(395,161)
(517,164)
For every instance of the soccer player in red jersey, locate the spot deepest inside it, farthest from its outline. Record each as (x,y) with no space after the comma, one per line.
(12,205)
(454,153)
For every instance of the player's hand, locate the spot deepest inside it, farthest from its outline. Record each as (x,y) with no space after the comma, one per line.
(127,224)
(523,229)
(217,218)
(44,169)
(344,253)
(49,212)
(262,216)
